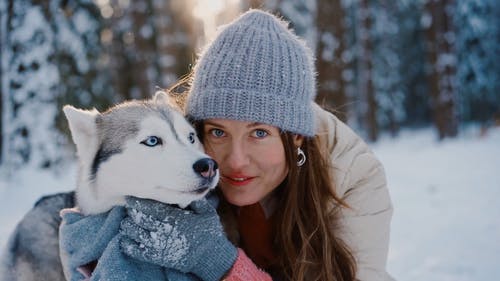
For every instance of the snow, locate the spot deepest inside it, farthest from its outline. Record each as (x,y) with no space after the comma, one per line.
(446,220)
(25,187)
(164,236)
(330,45)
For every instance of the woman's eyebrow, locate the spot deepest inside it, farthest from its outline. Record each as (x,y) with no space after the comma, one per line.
(213,124)
(250,125)
(255,124)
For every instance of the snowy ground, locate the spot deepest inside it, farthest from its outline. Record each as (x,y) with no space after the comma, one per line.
(446,223)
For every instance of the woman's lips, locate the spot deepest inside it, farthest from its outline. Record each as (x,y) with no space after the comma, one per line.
(237,180)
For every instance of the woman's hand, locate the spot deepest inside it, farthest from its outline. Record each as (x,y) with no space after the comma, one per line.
(188,240)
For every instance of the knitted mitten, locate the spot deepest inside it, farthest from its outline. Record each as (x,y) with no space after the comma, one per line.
(188,240)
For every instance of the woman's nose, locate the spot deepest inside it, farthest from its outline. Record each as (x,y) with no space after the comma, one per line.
(237,157)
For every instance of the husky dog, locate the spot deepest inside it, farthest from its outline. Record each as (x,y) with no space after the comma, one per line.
(145,149)
(140,148)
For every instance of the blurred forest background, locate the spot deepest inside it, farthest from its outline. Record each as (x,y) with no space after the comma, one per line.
(382,65)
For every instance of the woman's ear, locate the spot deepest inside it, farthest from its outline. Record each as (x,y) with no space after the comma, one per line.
(297,140)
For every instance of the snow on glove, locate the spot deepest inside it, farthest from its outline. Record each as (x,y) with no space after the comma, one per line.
(188,240)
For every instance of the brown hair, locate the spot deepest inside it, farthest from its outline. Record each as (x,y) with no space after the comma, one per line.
(308,246)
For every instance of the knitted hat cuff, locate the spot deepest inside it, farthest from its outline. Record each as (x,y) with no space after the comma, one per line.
(244,105)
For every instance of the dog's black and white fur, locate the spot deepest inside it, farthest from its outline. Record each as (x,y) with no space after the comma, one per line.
(140,148)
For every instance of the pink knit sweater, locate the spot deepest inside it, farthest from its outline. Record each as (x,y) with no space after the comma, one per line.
(245,270)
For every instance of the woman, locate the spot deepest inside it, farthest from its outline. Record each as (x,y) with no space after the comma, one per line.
(305,196)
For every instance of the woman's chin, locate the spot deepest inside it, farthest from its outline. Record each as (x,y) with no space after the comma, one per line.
(240,200)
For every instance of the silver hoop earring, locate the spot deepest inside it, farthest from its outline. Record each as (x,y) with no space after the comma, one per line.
(301,156)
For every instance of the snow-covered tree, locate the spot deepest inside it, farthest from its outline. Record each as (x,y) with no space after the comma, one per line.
(49,58)
(79,55)
(478,48)
(302,16)
(148,46)
(389,94)
(366,90)
(30,81)
(412,65)
(131,33)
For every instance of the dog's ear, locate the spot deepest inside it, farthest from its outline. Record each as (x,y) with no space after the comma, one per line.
(170,99)
(82,124)
(162,97)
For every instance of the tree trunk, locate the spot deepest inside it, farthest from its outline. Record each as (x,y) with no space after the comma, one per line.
(330,65)
(3,75)
(174,47)
(143,46)
(441,57)
(132,49)
(366,89)
(254,4)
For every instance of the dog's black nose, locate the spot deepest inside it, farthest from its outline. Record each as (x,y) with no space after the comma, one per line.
(206,167)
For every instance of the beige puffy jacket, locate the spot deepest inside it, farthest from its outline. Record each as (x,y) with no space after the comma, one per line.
(359,180)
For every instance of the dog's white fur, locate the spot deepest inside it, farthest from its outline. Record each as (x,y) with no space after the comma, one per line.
(163,173)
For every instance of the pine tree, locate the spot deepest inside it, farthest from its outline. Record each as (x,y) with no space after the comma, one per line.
(333,57)
(302,17)
(366,89)
(49,58)
(478,53)
(31,79)
(174,47)
(3,77)
(412,66)
(438,24)
(387,79)
(149,47)
(131,49)
(80,57)
(323,25)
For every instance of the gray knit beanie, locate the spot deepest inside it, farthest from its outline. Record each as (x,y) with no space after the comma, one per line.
(256,70)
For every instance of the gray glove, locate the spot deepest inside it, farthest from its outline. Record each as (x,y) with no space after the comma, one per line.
(188,240)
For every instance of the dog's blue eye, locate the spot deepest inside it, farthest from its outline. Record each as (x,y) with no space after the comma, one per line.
(152,141)
(192,137)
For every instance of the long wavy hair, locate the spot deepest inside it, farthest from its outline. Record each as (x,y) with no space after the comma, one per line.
(306,241)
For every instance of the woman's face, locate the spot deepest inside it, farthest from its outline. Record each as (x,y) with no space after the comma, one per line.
(250,155)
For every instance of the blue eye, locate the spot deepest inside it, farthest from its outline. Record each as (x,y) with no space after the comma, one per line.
(192,137)
(259,133)
(218,133)
(152,141)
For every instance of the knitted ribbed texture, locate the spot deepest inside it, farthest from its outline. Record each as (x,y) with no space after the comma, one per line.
(256,70)
(244,270)
(85,239)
